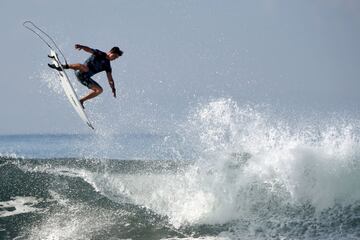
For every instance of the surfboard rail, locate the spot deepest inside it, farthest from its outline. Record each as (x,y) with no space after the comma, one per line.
(69,89)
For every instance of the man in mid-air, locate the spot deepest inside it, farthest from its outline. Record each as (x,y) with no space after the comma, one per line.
(98,61)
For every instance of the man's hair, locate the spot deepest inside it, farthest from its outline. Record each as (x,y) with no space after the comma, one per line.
(117,51)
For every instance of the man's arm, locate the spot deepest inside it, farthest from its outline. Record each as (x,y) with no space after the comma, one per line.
(111,83)
(85,48)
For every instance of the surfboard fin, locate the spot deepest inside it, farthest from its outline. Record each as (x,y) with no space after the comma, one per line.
(54,67)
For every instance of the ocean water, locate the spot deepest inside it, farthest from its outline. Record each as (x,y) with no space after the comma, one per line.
(226,172)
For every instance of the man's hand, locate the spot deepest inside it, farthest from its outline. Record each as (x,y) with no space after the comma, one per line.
(78,47)
(111,83)
(85,48)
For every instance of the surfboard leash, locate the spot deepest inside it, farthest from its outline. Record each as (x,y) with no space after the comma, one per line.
(32,27)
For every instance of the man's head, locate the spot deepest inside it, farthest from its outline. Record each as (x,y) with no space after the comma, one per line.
(114,53)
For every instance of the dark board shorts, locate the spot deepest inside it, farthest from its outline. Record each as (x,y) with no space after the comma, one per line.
(86,80)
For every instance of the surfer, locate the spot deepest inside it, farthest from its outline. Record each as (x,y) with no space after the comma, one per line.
(98,61)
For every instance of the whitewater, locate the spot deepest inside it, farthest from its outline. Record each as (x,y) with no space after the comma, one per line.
(229,171)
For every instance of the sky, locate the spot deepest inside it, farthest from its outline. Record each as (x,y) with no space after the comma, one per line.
(298,55)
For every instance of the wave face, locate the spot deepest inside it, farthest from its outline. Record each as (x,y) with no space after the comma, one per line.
(227,172)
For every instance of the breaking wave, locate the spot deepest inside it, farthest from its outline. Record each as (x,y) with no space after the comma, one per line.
(252,175)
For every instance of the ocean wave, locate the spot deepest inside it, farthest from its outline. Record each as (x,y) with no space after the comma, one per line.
(254,170)
(318,167)
(255,176)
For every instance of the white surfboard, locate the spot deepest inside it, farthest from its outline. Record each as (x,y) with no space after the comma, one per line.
(69,89)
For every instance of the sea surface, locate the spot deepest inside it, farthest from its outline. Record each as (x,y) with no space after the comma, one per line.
(227,172)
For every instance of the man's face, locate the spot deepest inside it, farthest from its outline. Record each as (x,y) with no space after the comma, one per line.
(112,56)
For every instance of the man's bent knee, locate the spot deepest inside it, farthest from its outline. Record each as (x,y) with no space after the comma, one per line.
(98,90)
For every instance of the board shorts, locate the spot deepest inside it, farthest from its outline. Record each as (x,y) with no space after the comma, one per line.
(86,80)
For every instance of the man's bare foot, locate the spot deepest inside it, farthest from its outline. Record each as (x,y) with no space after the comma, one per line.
(82,103)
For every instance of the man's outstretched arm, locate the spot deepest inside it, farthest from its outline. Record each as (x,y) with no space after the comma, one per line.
(85,48)
(111,83)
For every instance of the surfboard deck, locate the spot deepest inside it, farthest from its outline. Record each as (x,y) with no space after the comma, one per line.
(69,89)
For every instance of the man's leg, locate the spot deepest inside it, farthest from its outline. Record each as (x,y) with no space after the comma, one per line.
(95,91)
(87,81)
(78,66)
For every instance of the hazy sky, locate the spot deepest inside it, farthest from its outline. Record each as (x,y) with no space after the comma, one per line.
(301,54)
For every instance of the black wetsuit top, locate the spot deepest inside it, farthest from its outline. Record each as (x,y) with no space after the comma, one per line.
(98,62)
